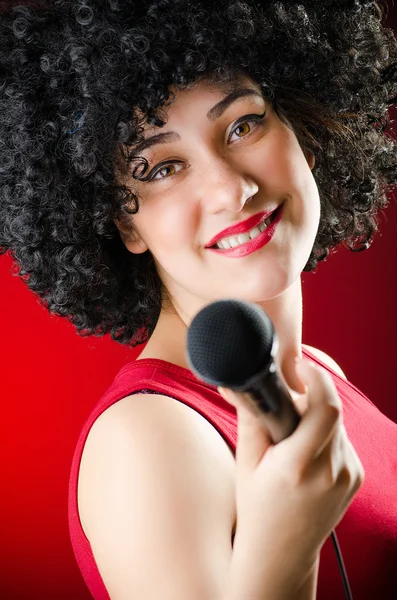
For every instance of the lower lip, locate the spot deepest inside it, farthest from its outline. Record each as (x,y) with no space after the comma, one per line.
(249,247)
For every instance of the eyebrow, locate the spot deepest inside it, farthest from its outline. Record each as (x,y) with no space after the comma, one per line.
(159,138)
(218,110)
(214,113)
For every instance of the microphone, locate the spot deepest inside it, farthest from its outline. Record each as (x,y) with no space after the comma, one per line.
(233,344)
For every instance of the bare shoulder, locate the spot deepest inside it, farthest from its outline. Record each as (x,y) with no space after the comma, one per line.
(326,359)
(156,493)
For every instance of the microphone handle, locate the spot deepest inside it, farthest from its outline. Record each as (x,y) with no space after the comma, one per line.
(272,403)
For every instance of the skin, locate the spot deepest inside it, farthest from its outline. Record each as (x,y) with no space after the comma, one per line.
(220,175)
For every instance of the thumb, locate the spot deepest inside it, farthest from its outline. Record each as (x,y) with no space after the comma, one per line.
(253,439)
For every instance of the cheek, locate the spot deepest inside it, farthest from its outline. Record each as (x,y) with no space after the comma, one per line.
(279,163)
(303,184)
(170,227)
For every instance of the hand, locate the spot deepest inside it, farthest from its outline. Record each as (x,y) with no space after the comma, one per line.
(291,495)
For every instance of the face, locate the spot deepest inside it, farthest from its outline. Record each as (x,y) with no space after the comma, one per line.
(221,167)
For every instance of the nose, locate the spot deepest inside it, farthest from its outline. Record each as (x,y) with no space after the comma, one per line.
(225,187)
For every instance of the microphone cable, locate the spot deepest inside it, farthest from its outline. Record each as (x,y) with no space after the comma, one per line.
(341,566)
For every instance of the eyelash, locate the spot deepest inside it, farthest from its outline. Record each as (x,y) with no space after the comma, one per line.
(256,119)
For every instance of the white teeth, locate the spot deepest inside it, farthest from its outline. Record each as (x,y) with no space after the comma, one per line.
(255,232)
(243,238)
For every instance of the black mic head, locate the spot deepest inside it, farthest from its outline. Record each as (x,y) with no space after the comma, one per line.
(229,342)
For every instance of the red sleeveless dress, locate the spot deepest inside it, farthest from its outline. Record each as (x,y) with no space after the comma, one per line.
(367,533)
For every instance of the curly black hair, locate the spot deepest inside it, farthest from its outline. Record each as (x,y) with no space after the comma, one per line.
(78,79)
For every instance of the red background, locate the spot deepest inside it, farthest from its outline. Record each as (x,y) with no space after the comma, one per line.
(50,379)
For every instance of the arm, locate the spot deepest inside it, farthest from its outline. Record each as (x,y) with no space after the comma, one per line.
(246,580)
(156,502)
(308,591)
(159,519)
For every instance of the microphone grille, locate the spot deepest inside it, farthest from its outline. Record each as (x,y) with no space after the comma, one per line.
(229,341)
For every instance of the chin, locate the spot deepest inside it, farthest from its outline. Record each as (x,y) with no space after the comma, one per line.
(262,289)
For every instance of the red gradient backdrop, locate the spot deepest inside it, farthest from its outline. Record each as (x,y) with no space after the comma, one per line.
(50,379)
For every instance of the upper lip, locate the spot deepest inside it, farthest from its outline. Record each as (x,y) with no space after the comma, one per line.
(242,226)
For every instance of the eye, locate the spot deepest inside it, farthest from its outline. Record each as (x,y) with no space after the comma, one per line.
(245,129)
(166,170)
(242,128)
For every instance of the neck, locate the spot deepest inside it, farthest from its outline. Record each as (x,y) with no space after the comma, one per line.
(168,340)
(285,311)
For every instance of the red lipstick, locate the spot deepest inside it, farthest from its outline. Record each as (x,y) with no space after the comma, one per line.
(241,227)
(253,245)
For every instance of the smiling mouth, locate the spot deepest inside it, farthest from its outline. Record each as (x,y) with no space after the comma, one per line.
(242,238)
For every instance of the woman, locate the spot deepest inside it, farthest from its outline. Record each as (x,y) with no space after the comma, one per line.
(158,156)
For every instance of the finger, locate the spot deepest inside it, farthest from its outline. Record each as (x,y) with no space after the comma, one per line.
(313,375)
(352,466)
(333,458)
(291,375)
(317,425)
(348,474)
(342,452)
(253,440)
